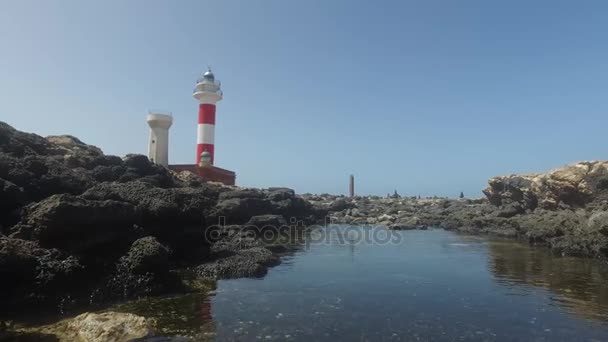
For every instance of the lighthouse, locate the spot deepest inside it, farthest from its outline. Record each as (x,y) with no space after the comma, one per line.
(208,93)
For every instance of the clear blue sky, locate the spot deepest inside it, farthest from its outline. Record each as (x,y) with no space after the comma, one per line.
(426,97)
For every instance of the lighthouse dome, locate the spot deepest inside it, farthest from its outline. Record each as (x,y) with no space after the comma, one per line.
(209,76)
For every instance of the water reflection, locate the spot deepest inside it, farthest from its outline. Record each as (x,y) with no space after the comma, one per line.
(579,285)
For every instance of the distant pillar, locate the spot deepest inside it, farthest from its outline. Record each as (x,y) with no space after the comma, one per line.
(351,186)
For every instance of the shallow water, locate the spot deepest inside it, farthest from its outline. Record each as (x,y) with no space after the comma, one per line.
(430,285)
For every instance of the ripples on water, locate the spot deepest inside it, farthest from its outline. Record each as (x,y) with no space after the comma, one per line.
(432,286)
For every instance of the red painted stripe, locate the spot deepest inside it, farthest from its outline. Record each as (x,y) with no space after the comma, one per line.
(206,113)
(204,147)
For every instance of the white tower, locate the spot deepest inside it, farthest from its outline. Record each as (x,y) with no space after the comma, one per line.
(158,148)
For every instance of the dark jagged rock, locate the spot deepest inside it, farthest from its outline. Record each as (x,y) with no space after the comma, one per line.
(598,221)
(143,271)
(20,144)
(34,275)
(139,167)
(176,216)
(510,210)
(77,224)
(12,198)
(279,194)
(74,152)
(146,255)
(543,225)
(240,210)
(239,206)
(260,222)
(159,205)
(242,194)
(228,240)
(41,176)
(339,205)
(413,222)
(253,262)
(296,209)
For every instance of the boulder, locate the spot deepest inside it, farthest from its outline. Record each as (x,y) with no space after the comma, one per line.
(18,263)
(42,176)
(296,208)
(159,206)
(188,178)
(146,255)
(385,217)
(12,197)
(77,224)
(139,167)
(107,327)
(413,222)
(574,185)
(599,222)
(35,275)
(20,144)
(340,204)
(542,225)
(510,210)
(261,222)
(143,271)
(240,210)
(280,194)
(74,152)
(178,217)
(253,263)
(229,240)
(241,194)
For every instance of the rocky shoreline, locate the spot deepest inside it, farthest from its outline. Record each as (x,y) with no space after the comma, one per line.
(80,229)
(565,210)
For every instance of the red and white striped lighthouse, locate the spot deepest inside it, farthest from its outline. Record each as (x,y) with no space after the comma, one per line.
(208,93)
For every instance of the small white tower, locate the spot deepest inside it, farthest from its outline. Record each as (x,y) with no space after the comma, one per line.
(158,148)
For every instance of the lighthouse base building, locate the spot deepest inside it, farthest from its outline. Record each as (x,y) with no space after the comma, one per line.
(208,173)
(208,93)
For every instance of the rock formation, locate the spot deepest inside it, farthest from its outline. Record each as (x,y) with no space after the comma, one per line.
(572,186)
(79,227)
(565,209)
